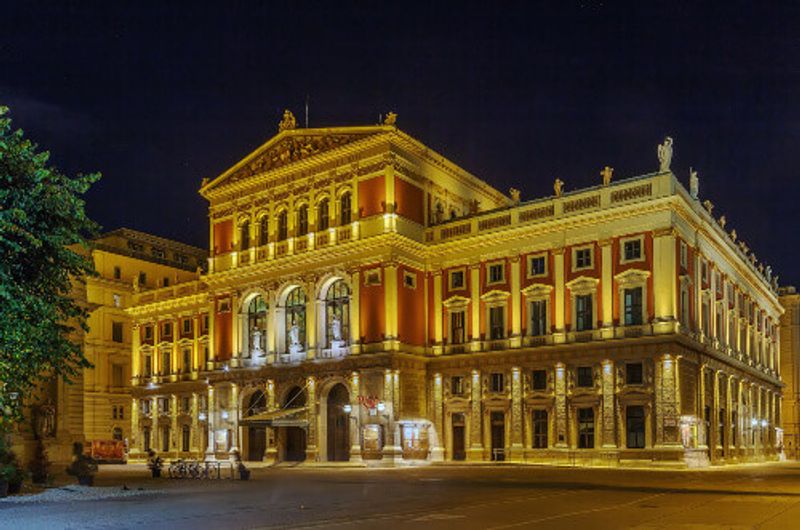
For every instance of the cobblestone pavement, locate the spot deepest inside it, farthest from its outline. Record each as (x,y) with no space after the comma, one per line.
(497,497)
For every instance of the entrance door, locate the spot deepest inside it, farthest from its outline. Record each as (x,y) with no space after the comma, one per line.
(498,423)
(256,443)
(459,452)
(338,425)
(295,444)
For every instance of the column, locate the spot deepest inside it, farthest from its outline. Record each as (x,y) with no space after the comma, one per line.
(136,356)
(390,293)
(392,451)
(313,418)
(155,429)
(210,453)
(667,402)
(665,286)
(133,442)
(607,292)
(271,450)
(703,435)
(517,447)
(236,410)
(437,312)
(311,319)
(559,336)
(715,415)
(475,451)
(173,424)
(195,443)
(729,446)
(609,433)
(355,423)
(516,304)
(560,407)
(475,304)
(437,454)
(212,354)
(236,331)
(355,314)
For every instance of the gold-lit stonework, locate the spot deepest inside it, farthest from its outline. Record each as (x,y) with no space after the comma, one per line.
(368,299)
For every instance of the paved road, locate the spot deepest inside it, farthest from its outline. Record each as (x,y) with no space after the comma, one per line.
(756,496)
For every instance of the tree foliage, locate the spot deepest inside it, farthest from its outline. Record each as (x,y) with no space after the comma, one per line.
(44,235)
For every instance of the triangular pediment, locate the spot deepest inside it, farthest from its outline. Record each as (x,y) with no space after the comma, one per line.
(289,147)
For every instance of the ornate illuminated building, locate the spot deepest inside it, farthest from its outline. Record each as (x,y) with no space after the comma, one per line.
(95,407)
(368,299)
(790,369)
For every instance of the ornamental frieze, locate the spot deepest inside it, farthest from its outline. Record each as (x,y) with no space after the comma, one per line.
(291,149)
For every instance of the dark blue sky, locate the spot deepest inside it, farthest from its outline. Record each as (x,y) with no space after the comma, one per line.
(157,96)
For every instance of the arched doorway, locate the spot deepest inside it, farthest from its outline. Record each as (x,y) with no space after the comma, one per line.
(256,434)
(338,424)
(294,437)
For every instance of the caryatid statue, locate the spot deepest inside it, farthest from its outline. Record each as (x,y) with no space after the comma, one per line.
(665,155)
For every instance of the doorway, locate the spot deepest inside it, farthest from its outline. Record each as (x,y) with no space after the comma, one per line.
(295,437)
(459,449)
(338,425)
(256,434)
(498,429)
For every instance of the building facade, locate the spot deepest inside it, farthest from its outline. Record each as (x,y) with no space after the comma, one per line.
(790,369)
(367,299)
(95,407)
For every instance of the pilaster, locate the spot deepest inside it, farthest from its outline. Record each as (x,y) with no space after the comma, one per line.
(475,451)
(607,294)
(560,407)
(390,294)
(667,402)
(438,334)
(313,408)
(437,454)
(475,303)
(609,437)
(665,285)
(559,336)
(210,456)
(516,302)
(355,425)
(517,446)
(355,312)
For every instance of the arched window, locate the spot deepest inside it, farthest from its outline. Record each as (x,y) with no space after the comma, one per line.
(263,232)
(337,314)
(257,324)
(323,214)
(296,320)
(302,220)
(257,403)
(244,235)
(345,209)
(283,225)
(294,398)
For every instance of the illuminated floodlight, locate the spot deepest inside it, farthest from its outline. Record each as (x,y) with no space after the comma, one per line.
(753,422)
(224,414)
(347,408)
(764,423)
(381,406)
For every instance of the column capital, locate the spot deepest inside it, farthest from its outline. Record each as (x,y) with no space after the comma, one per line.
(665,231)
(606,241)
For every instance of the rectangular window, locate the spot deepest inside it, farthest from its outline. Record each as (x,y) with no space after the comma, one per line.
(187,360)
(633,306)
(632,250)
(539,380)
(166,329)
(186,404)
(497,382)
(166,366)
(586,428)
(538,316)
(148,365)
(583,312)
(185,437)
(117,375)
(142,279)
(121,411)
(540,429)
(496,323)
(684,255)
(116,331)
(187,326)
(302,221)
(456,280)
(323,215)
(496,273)
(633,374)
(145,406)
(685,307)
(205,325)
(537,266)
(409,280)
(146,439)
(634,423)
(456,385)
(148,332)
(114,413)
(117,273)
(157,252)
(721,429)
(585,377)
(457,327)
(165,282)
(583,258)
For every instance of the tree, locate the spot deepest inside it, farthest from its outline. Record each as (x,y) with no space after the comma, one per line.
(44,234)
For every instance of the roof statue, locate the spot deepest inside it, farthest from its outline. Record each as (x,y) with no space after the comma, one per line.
(288,122)
(734,235)
(606,174)
(694,184)
(665,155)
(722,221)
(515,195)
(708,205)
(391,118)
(558,187)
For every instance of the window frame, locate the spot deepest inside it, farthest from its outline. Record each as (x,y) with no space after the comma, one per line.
(451,274)
(534,380)
(581,373)
(629,372)
(623,258)
(586,419)
(495,265)
(587,248)
(541,255)
(497,382)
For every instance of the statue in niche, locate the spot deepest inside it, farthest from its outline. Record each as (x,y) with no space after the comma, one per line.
(336,328)
(694,184)
(45,420)
(257,343)
(558,187)
(665,155)
(288,122)
(294,339)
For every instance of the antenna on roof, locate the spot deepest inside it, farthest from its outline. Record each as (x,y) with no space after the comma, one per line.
(306,111)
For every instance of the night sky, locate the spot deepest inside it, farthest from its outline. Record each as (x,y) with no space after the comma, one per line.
(158,96)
